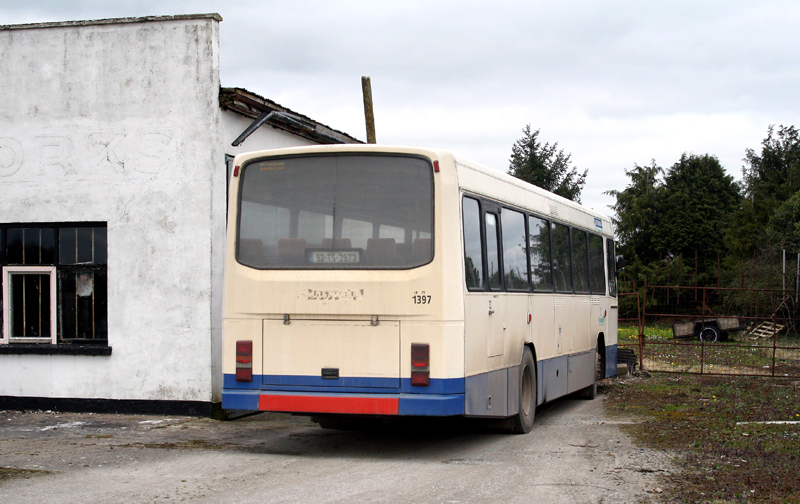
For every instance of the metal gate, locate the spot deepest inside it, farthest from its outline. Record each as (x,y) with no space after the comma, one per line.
(711,330)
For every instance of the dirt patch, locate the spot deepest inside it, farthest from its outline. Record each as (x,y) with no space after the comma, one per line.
(7,473)
(718,427)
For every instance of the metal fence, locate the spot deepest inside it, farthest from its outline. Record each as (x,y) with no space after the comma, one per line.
(712,330)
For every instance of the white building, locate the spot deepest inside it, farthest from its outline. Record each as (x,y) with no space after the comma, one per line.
(113,146)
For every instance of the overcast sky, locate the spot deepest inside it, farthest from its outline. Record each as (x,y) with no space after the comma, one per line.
(615,83)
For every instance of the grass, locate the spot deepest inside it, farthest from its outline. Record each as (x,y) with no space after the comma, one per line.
(739,355)
(709,422)
(629,333)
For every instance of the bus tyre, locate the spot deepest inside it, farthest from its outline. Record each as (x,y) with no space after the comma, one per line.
(522,422)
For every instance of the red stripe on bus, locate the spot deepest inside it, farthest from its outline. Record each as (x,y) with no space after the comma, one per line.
(325,404)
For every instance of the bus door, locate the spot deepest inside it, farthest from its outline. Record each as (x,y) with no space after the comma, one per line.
(484,305)
(496,306)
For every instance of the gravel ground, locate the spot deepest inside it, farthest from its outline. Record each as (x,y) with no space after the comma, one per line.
(574,454)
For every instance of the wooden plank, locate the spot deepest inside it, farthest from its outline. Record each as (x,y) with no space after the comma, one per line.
(766,330)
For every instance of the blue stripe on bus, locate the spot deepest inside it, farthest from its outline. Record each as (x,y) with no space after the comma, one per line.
(444,397)
(344,384)
(408,404)
(431,405)
(246,400)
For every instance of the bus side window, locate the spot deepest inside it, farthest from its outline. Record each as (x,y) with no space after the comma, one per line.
(562,268)
(580,261)
(597,281)
(539,242)
(515,250)
(612,267)
(493,253)
(473,253)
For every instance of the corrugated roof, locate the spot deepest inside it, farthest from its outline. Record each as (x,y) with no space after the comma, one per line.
(252,105)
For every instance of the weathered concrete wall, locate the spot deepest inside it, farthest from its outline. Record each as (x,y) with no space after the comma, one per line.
(120,123)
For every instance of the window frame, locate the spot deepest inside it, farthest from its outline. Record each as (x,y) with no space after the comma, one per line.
(579,266)
(494,211)
(567,271)
(482,268)
(604,290)
(611,264)
(547,225)
(55,343)
(525,215)
(8,272)
(337,221)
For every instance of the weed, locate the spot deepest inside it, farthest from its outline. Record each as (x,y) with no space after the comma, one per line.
(712,423)
(7,473)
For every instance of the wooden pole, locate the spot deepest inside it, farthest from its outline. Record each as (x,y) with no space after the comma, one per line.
(369,116)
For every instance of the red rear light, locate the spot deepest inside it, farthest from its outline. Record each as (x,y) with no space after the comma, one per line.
(436,166)
(236,171)
(420,364)
(244,361)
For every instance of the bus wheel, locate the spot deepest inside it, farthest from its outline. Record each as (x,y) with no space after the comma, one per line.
(522,422)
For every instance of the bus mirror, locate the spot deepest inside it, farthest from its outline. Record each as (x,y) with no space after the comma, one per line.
(620,262)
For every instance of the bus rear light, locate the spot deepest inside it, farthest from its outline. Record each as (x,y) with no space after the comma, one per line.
(436,166)
(244,361)
(420,364)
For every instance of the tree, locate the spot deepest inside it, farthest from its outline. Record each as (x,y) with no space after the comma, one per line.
(685,212)
(783,229)
(545,166)
(698,201)
(637,212)
(770,178)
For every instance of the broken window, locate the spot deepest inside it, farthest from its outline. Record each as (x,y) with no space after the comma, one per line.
(54,283)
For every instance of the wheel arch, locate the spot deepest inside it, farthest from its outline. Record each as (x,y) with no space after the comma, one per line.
(601,349)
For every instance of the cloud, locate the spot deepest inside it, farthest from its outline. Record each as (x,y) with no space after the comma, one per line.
(615,83)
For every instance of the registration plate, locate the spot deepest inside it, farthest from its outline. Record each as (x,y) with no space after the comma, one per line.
(335,257)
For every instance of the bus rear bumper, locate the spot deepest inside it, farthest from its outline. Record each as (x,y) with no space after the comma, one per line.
(349,404)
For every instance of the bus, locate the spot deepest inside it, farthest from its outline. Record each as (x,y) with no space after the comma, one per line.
(368,281)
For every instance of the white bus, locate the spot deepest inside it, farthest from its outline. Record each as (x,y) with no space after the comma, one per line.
(381,281)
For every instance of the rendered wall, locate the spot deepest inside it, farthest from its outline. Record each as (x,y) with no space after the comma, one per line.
(120,123)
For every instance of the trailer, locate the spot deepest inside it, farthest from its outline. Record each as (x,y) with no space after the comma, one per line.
(708,329)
